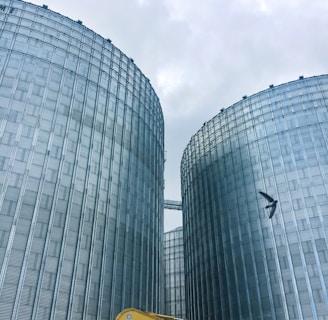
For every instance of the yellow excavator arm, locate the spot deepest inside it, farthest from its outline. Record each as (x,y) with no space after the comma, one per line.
(135,314)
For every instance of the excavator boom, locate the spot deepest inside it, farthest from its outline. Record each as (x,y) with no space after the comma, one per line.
(135,314)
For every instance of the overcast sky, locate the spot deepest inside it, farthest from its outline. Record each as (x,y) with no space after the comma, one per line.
(201,56)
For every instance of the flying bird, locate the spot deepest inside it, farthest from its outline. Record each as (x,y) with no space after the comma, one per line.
(272,203)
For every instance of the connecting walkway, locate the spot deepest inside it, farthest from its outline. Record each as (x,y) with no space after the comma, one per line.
(172,205)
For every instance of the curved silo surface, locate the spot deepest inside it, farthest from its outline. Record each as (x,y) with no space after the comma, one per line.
(240,264)
(81,172)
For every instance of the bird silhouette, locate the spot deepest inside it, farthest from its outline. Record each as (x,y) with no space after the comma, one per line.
(272,203)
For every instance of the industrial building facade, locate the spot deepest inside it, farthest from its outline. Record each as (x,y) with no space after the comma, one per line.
(175,302)
(81,172)
(240,264)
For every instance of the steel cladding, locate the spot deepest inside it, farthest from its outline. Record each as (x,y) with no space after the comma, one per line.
(81,172)
(240,264)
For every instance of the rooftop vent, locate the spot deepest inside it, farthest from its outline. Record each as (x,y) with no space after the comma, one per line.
(301,77)
(79,22)
(271,86)
(244,97)
(44,6)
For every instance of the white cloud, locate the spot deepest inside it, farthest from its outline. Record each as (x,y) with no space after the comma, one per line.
(169,79)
